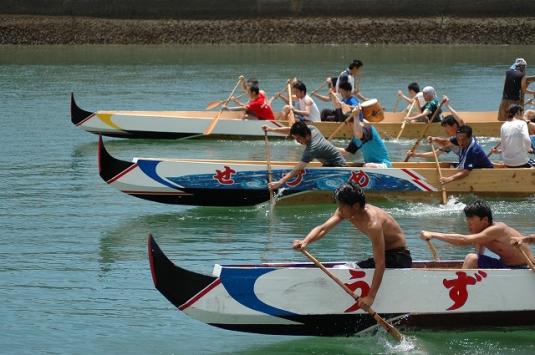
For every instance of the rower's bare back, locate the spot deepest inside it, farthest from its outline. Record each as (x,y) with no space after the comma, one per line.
(393,235)
(510,255)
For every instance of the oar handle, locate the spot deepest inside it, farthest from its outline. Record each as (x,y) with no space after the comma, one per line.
(340,126)
(424,131)
(434,251)
(212,124)
(443,187)
(383,323)
(268,163)
(526,256)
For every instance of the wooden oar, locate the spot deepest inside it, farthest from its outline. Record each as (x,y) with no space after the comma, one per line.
(213,104)
(383,323)
(395,107)
(291,117)
(424,132)
(212,124)
(433,250)
(439,170)
(319,87)
(405,119)
(268,163)
(340,126)
(526,256)
(495,147)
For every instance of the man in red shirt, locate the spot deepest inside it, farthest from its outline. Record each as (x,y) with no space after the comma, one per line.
(256,108)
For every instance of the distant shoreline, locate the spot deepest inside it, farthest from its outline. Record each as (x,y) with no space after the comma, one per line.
(36,30)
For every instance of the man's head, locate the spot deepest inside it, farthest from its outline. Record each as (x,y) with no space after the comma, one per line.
(429,93)
(251,82)
(299,89)
(520,64)
(253,90)
(355,67)
(301,133)
(350,198)
(450,125)
(413,89)
(345,89)
(464,136)
(529,115)
(515,111)
(478,216)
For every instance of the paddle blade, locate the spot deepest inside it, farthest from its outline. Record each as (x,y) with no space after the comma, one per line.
(213,104)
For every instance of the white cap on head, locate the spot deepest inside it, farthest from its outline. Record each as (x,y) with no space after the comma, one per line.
(520,61)
(429,90)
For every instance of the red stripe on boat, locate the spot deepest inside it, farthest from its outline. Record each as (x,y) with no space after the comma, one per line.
(417,180)
(122,173)
(85,119)
(200,294)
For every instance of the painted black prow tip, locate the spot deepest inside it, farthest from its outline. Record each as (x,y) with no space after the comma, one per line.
(178,285)
(77,114)
(108,166)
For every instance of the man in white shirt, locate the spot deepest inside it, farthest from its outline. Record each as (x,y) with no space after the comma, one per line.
(304,107)
(515,142)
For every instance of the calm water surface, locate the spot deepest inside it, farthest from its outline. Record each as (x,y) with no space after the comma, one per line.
(74,276)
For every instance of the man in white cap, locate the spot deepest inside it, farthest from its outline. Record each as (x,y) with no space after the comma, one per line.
(429,108)
(515,86)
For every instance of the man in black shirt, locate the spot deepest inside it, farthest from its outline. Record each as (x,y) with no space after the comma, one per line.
(514,88)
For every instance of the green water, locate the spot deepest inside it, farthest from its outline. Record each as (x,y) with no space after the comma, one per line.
(74,275)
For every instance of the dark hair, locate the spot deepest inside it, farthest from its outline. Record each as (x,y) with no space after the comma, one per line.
(350,193)
(478,208)
(254,88)
(345,86)
(252,82)
(300,128)
(513,110)
(414,87)
(449,120)
(355,64)
(299,85)
(465,130)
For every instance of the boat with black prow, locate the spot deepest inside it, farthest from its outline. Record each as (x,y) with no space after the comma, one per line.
(201,182)
(233,125)
(300,299)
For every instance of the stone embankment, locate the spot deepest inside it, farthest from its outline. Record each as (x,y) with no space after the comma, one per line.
(31,30)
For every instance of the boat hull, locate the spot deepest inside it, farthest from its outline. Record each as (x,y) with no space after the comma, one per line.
(182,124)
(299,299)
(244,183)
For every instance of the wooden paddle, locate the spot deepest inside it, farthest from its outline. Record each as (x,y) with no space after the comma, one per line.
(319,88)
(444,192)
(383,323)
(424,131)
(433,250)
(405,119)
(213,123)
(291,117)
(340,126)
(213,104)
(526,256)
(268,163)
(495,147)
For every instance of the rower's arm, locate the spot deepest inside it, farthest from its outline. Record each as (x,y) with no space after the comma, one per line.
(458,118)
(421,115)
(486,236)
(378,243)
(458,175)
(320,231)
(283,98)
(281,130)
(321,97)
(237,108)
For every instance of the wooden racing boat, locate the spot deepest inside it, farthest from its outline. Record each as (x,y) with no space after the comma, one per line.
(182,124)
(299,299)
(244,183)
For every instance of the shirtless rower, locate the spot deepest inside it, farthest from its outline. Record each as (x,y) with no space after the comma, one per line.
(388,240)
(485,233)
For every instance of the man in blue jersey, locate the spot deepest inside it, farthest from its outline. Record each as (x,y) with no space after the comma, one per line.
(471,155)
(369,142)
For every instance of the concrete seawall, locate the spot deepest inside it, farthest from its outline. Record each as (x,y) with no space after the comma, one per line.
(232,9)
